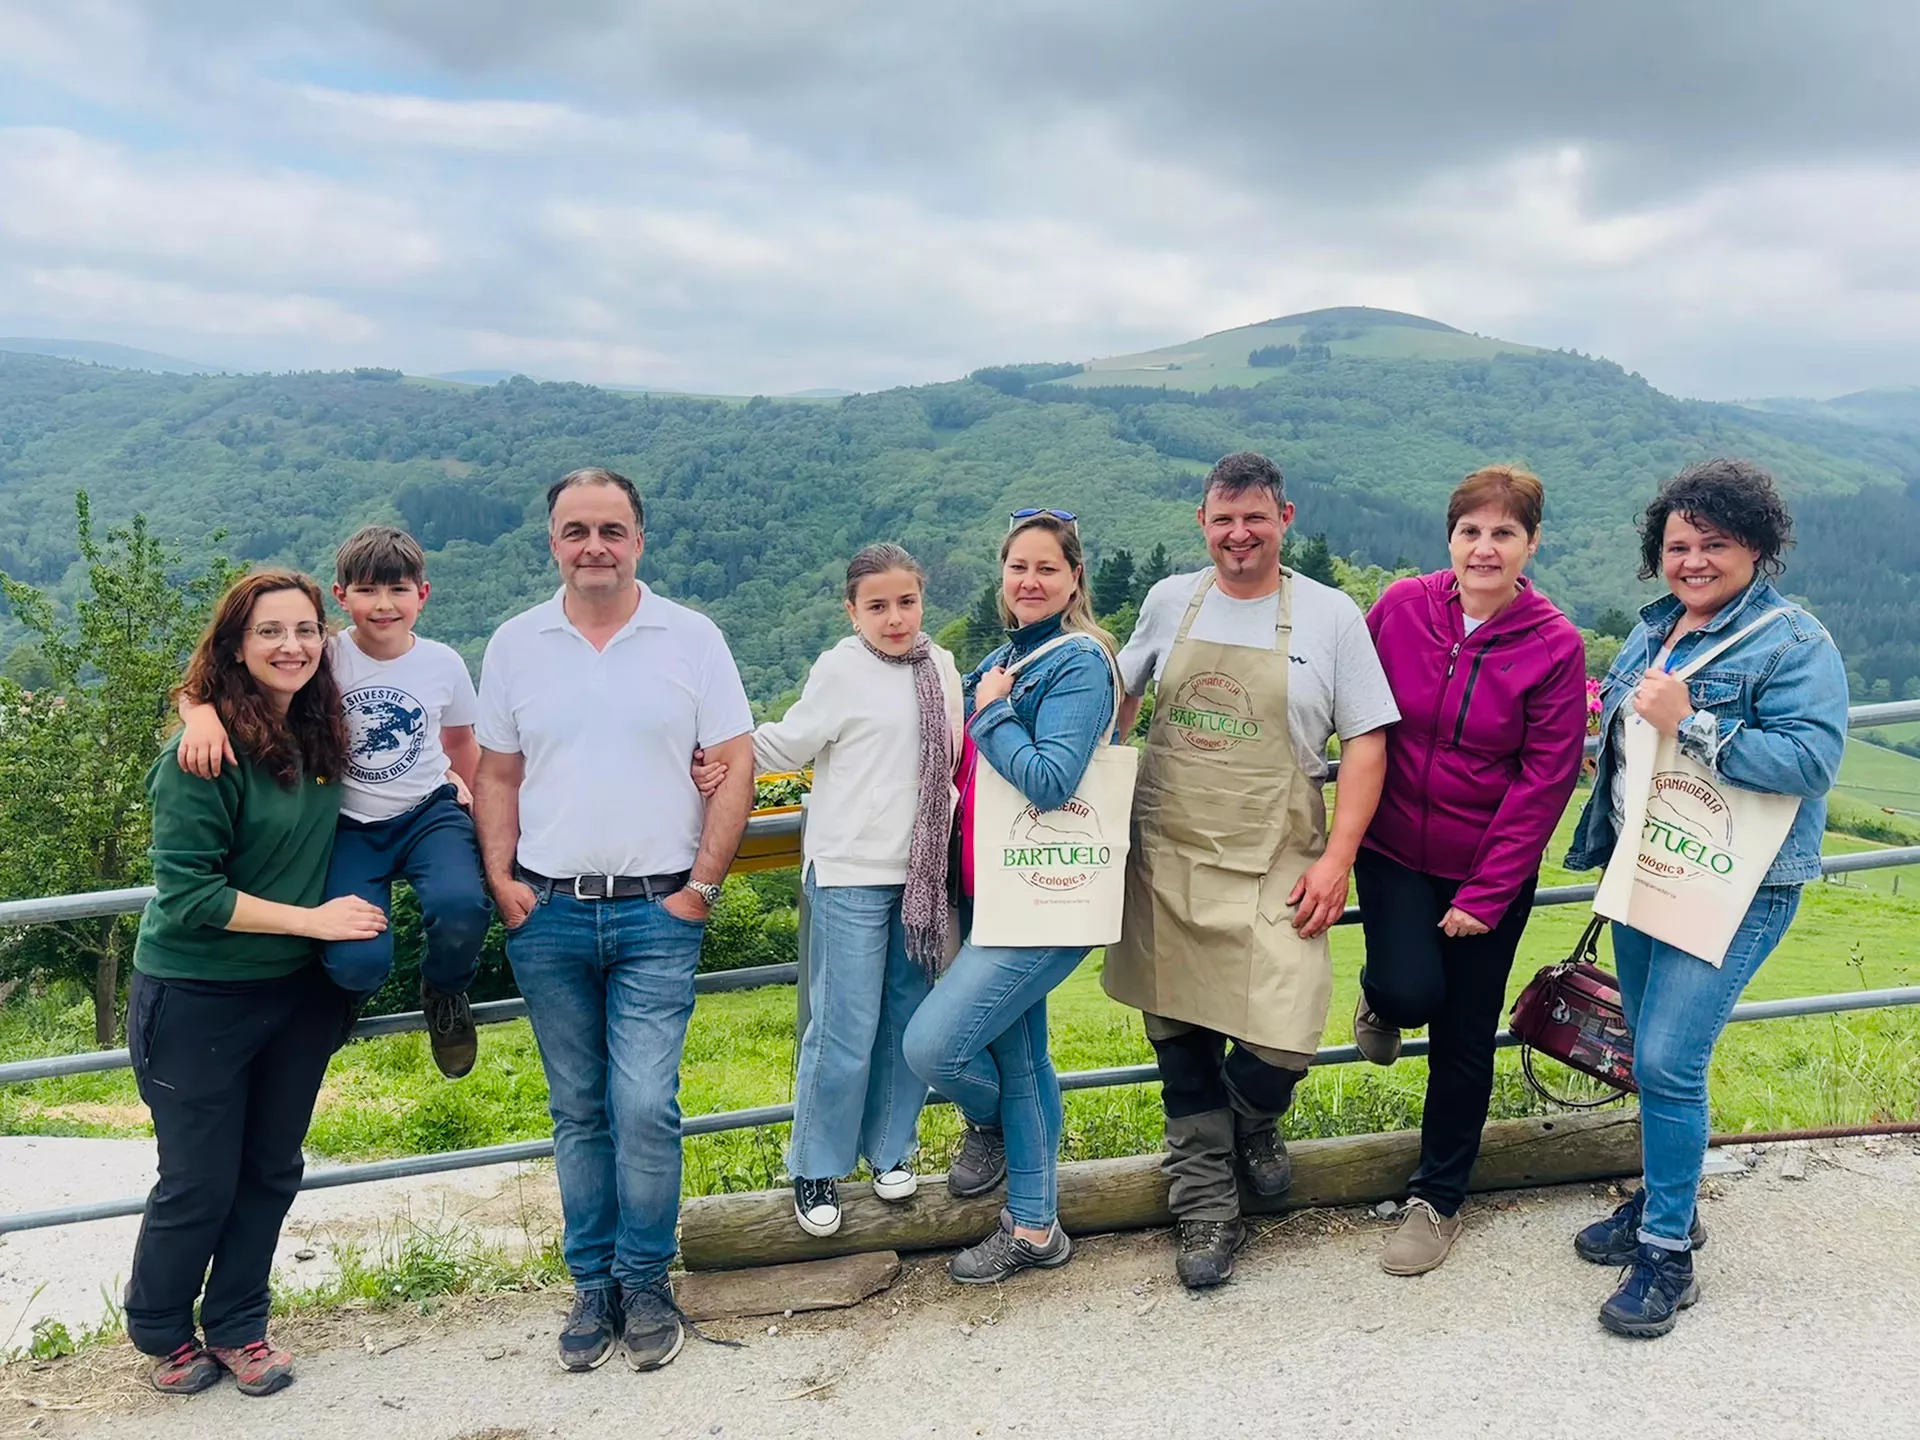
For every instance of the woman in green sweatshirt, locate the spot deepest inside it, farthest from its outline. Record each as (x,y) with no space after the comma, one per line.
(231,1018)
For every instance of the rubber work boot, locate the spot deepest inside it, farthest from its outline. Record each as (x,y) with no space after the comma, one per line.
(1422,1241)
(187,1371)
(1206,1251)
(258,1368)
(981,1163)
(450,1030)
(1372,1036)
(1616,1240)
(1658,1286)
(1263,1158)
(1004,1254)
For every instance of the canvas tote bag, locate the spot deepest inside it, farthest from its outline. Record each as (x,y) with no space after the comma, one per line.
(1054,877)
(1704,844)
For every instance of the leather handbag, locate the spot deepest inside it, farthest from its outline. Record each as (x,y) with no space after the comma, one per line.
(1572,1013)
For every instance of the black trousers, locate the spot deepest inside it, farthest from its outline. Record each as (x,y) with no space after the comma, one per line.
(1416,974)
(230,1071)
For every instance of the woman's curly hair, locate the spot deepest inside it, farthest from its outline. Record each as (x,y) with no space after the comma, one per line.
(312,738)
(1736,497)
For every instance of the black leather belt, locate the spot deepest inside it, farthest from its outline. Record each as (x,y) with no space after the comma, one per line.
(606,887)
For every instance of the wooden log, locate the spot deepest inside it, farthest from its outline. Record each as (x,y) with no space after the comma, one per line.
(719,1232)
(775,1289)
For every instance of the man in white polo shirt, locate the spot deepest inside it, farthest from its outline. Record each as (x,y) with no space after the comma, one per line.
(604,863)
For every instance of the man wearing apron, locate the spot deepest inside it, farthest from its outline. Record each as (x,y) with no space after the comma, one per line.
(1233,878)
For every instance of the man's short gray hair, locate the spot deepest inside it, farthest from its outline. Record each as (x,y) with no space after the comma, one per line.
(1242,471)
(597,475)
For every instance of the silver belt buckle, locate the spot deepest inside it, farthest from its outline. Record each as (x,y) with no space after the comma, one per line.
(606,887)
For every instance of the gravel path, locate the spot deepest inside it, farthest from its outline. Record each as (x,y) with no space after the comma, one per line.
(1809,1327)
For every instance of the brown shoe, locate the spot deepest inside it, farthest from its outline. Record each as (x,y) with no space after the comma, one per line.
(1378,1041)
(1422,1241)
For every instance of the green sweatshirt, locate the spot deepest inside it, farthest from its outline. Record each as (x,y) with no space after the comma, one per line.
(243,832)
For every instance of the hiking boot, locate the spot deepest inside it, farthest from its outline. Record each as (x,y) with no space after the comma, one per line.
(586,1340)
(1372,1036)
(187,1371)
(816,1205)
(895,1183)
(653,1333)
(1206,1251)
(1003,1254)
(1615,1240)
(450,1031)
(981,1163)
(258,1368)
(1658,1286)
(1422,1241)
(1264,1161)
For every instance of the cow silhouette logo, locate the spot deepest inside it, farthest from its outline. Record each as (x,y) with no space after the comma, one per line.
(386,731)
(1689,829)
(1212,712)
(1057,850)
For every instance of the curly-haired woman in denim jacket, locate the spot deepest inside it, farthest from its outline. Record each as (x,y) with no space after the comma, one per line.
(1769,714)
(981,1038)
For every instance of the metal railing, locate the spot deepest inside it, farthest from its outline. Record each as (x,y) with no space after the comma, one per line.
(766,828)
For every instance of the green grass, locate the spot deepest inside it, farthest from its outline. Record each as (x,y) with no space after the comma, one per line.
(1910,731)
(1880,777)
(384,1098)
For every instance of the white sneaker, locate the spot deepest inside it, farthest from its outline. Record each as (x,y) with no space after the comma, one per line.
(895,1184)
(816,1205)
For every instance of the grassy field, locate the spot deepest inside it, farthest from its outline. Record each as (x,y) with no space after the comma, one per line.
(1881,777)
(384,1098)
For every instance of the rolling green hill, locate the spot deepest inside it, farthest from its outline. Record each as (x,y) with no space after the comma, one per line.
(753,506)
(1881,777)
(96,352)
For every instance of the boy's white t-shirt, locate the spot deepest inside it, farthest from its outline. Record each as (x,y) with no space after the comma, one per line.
(395,711)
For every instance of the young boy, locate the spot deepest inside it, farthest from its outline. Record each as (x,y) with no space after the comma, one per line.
(410,708)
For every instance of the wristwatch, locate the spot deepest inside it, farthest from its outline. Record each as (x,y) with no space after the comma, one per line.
(708,893)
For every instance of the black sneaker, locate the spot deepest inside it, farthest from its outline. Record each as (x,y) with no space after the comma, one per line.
(1616,1240)
(450,1031)
(1003,1254)
(1658,1286)
(586,1340)
(654,1330)
(1264,1161)
(816,1205)
(981,1163)
(1206,1251)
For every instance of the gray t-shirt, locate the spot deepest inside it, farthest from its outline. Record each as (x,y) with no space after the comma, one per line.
(1335,684)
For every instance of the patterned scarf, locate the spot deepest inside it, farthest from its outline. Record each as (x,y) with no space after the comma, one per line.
(924,907)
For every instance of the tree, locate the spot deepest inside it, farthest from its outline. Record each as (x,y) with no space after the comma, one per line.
(74,753)
(1615,622)
(1159,565)
(1312,559)
(1113,583)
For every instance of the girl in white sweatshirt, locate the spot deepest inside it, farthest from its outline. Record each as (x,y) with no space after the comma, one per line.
(879,721)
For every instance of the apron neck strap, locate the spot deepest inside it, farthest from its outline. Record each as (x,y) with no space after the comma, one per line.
(1282,610)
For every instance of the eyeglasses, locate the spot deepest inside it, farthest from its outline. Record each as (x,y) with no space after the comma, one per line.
(1021,517)
(273,632)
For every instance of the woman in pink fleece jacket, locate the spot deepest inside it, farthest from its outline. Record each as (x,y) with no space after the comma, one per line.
(1490,679)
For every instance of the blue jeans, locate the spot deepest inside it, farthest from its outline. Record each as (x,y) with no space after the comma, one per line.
(1676,1006)
(432,848)
(609,988)
(855,1095)
(980,1039)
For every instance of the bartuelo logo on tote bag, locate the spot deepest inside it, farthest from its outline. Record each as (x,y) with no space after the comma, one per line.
(1213,712)
(1057,850)
(1688,830)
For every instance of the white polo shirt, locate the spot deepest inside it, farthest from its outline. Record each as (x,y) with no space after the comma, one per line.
(608,735)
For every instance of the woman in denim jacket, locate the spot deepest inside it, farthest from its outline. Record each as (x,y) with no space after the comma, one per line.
(1769,714)
(981,1038)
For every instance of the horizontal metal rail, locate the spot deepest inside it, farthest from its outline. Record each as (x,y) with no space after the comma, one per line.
(514,1152)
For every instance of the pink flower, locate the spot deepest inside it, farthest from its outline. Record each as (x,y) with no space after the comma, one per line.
(1593,707)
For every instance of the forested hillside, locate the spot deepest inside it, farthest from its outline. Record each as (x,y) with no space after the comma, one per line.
(753,506)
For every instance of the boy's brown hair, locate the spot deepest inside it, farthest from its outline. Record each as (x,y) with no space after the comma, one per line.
(380,555)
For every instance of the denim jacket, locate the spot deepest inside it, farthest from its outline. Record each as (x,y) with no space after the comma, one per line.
(1770,714)
(1042,735)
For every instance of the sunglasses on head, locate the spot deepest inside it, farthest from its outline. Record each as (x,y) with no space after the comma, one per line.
(1021,517)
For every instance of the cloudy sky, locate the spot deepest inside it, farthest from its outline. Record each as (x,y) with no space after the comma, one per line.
(769,195)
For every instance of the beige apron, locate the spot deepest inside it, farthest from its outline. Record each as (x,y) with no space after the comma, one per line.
(1225,823)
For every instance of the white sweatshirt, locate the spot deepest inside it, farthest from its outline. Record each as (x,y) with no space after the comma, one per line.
(858,724)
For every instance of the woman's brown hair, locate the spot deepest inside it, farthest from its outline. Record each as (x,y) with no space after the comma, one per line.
(1517,491)
(312,738)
